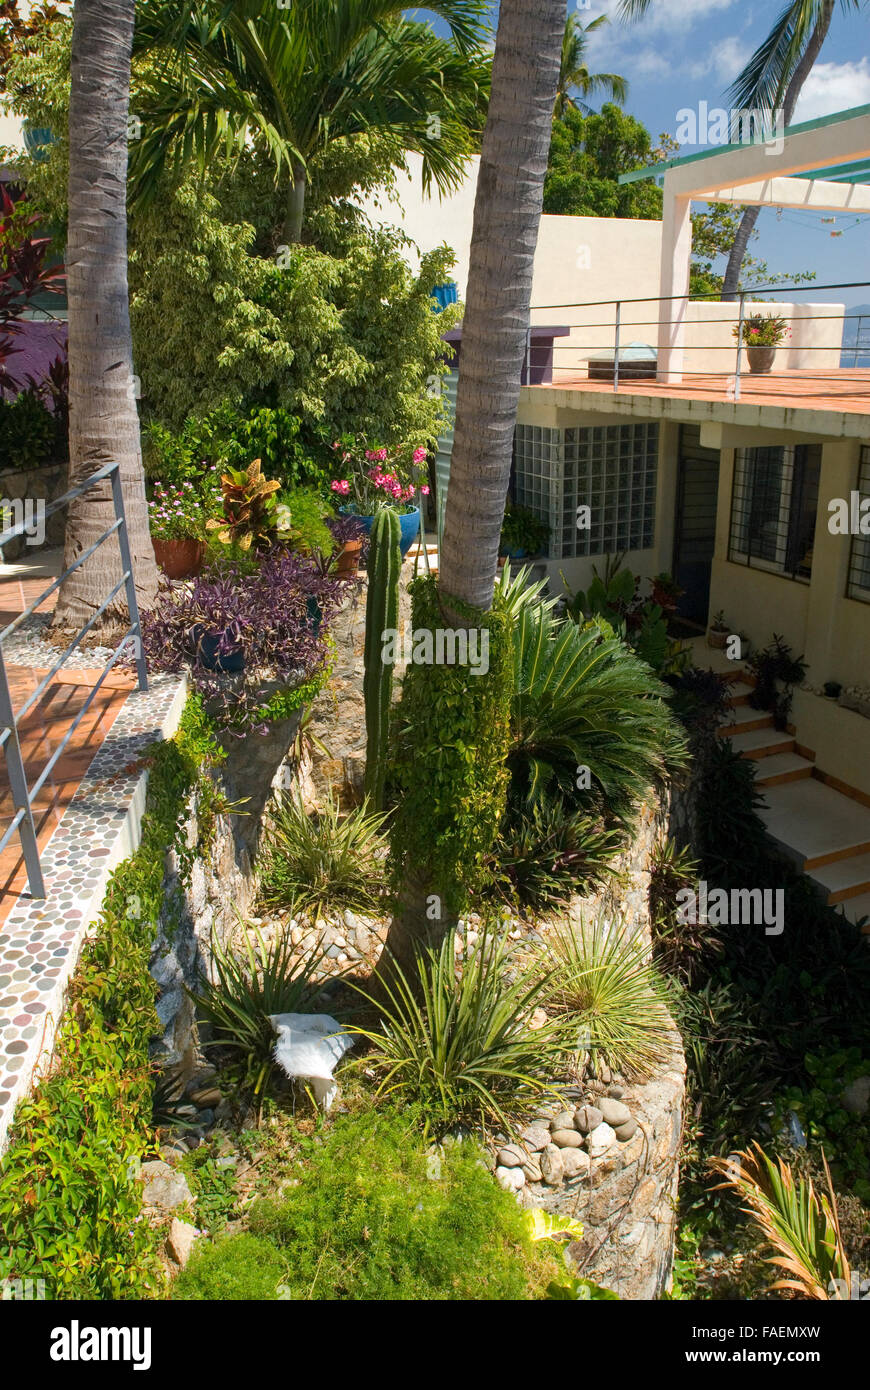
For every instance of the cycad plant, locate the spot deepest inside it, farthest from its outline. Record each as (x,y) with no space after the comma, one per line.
(459,1041)
(583,700)
(323,861)
(261,980)
(802,1229)
(604,983)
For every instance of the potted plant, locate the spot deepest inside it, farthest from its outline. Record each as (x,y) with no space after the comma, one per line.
(775,666)
(250,517)
(833,689)
(380,477)
(762,334)
(176,518)
(718,632)
(522,533)
(350,543)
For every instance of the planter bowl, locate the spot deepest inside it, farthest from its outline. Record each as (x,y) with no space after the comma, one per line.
(205,645)
(179,559)
(717,639)
(760,359)
(409,523)
(347,563)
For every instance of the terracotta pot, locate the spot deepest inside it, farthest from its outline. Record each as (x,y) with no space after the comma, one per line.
(181,559)
(715,638)
(348,559)
(760,359)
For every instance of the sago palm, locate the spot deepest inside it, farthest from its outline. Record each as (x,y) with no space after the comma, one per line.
(574,74)
(286,81)
(582,699)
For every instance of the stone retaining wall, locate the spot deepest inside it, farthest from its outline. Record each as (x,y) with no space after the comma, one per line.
(41,485)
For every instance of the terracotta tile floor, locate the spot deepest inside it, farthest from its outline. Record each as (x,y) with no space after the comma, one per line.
(41,731)
(847,390)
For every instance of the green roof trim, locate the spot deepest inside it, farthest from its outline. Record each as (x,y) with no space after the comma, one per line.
(657,171)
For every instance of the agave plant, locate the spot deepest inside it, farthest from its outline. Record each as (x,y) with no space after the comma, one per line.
(582,699)
(516,591)
(802,1229)
(323,861)
(460,1042)
(615,998)
(250,511)
(249,987)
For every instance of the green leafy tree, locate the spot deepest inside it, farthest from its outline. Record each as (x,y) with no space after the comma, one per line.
(574,74)
(587,155)
(288,81)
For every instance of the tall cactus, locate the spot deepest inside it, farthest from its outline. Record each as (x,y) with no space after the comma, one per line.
(382,615)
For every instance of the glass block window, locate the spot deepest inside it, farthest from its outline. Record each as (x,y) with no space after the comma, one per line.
(773,508)
(612,469)
(859,557)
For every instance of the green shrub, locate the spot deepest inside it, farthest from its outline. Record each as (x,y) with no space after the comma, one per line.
(543,856)
(248,988)
(324,861)
(613,996)
(582,699)
(463,1048)
(234,1267)
(70,1202)
(307,530)
(450,758)
(28,436)
(375,1218)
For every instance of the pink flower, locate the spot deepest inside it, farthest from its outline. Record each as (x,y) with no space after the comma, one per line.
(425,490)
(343,487)
(419,455)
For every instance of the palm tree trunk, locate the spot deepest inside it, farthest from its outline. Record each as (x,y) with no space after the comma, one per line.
(104,425)
(507,213)
(731,282)
(295,206)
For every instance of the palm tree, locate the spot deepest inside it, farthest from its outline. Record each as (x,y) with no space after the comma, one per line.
(775,73)
(289,80)
(574,75)
(103,422)
(507,214)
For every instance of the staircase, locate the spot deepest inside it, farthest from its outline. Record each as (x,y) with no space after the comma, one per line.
(827,833)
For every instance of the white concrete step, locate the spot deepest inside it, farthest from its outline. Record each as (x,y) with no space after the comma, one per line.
(782,767)
(856,908)
(761,743)
(844,878)
(819,825)
(742,719)
(739,693)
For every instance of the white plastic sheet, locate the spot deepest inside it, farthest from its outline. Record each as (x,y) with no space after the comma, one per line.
(309,1048)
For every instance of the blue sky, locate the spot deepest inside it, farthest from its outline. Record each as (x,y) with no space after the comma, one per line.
(688,51)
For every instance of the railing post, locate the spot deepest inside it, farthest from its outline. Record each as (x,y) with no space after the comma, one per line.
(739,345)
(616,348)
(18,788)
(130,586)
(858,339)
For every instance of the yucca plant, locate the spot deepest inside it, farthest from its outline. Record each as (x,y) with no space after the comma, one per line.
(250,510)
(613,995)
(513,592)
(544,855)
(802,1229)
(248,987)
(583,699)
(323,861)
(458,1041)
(681,948)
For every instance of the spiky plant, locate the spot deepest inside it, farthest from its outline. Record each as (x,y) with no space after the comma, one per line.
(614,996)
(459,1043)
(544,855)
(323,861)
(249,986)
(250,516)
(583,699)
(382,617)
(802,1229)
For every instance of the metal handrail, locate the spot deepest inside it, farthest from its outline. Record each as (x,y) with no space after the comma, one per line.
(23,796)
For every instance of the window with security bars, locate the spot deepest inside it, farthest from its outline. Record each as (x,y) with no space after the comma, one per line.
(773,508)
(611,469)
(859,555)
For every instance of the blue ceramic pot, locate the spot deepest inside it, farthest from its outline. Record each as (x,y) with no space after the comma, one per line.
(409,523)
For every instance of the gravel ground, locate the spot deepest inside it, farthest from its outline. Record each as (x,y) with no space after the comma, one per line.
(29,647)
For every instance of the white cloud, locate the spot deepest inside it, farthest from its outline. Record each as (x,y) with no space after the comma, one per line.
(833,87)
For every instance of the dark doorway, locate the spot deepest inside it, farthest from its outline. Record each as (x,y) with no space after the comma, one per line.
(695,523)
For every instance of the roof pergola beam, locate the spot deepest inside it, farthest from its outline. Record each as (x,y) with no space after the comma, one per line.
(813,195)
